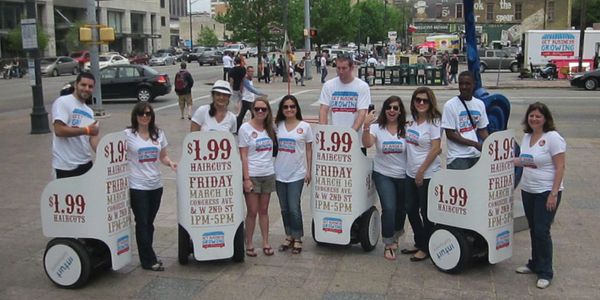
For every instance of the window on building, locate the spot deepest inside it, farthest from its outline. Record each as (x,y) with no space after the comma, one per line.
(115,20)
(438,10)
(163,21)
(518,11)
(459,11)
(162,3)
(550,14)
(489,12)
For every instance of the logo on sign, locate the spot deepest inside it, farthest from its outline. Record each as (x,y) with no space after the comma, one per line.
(122,244)
(332,225)
(215,239)
(503,239)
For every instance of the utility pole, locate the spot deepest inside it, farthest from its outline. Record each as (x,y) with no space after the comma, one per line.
(94,67)
(581,34)
(39,116)
(191,35)
(307,62)
(545,13)
(286,67)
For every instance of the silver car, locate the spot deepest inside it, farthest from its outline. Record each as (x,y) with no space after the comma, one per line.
(162,59)
(55,66)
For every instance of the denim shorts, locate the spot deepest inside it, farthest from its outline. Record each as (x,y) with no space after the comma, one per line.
(263,184)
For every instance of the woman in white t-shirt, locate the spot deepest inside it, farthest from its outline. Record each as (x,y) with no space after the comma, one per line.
(292,168)
(389,168)
(146,148)
(543,160)
(423,138)
(215,116)
(256,141)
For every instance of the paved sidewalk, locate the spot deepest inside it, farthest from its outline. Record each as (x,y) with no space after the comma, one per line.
(317,273)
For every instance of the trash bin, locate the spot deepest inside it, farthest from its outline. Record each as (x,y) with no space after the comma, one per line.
(380,75)
(429,76)
(412,75)
(395,75)
(403,76)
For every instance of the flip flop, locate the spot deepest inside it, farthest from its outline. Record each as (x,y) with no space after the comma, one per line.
(250,252)
(415,259)
(389,254)
(268,251)
(409,251)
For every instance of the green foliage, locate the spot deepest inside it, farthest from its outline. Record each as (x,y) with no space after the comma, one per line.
(15,42)
(72,37)
(375,20)
(592,12)
(251,21)
(207,37)
(333,21)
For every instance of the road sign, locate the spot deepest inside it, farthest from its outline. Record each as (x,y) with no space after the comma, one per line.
(29,34)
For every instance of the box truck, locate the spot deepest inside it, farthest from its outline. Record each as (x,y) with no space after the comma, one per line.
(542,46)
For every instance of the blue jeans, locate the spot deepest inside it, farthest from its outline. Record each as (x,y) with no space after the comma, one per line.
(540,220)
(289,194)
(462,163)
(393,209)
(453,78)
(323,74)
(145,206)
(416,207)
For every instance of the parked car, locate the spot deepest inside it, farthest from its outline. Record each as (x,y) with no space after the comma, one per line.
(56,66)
(139,59)
(129,81)
(210,58)
(237,48)
(494,59)
(162,59)
(108,60)
(588,80)
(197,51)
(81,57)
(333,54)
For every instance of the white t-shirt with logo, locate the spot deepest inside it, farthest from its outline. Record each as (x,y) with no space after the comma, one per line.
(70,152)
(538,168)
(208,123)
(144,160)
(455,117)
(390,157)
(418,143)
(260,150)
(344,100)
(290,164)
(227,61)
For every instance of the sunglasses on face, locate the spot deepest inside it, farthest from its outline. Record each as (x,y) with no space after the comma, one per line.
(144,114)
(289,106)
(260,109)
(393,107)
(421,100)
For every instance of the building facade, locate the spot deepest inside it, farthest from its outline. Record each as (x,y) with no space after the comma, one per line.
(496,20)
(199,21)
(140,25)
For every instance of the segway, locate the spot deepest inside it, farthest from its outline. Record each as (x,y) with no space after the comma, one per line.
(473,208)
(88,218)
(342,194)
(210,202)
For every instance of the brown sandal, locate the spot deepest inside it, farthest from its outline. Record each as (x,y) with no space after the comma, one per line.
(287,244)
(297,247)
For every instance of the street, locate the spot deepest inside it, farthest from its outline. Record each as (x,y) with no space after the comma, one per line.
(318,272)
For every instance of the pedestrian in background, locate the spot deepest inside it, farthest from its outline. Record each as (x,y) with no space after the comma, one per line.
(215,116)
(389,168)
(227,64)
(323,67)
(248,95)
(257,142)
(453,68)
(423,140)
(236,78)
(543,160)
(146,149)
(183,88)
(292,169)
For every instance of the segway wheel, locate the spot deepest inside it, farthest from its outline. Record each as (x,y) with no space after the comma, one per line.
(370,228)
(238,244)
(67,263)
(312,230)
(449,249)
(184,245)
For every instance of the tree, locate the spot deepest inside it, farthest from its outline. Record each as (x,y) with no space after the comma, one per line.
(15,42)
(375,20)
(592,14)
(333,21)
(72,37)
(207,37)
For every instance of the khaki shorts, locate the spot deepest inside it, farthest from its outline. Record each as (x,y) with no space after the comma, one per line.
(185,99)
(263,184)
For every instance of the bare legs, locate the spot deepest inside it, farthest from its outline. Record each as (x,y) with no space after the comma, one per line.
(257,204)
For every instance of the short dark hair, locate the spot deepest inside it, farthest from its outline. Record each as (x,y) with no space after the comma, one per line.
(183,65)
(467,74)
(345,57)
(543,109)
(87,75)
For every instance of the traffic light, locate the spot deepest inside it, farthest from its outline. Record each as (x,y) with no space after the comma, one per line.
(313,33)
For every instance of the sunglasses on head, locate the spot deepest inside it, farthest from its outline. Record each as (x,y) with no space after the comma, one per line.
(144,114)
(393,107)
(421,100)
(289,106)
(260,109)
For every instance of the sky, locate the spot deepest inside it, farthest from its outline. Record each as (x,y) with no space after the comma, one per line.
(201,5)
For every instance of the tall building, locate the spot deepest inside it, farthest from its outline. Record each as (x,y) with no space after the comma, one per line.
(218,7)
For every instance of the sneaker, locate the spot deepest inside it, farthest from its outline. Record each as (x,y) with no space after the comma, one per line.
(523,270)
(543,283)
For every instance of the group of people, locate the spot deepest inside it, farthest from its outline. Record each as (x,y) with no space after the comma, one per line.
(407,149)
(448,67)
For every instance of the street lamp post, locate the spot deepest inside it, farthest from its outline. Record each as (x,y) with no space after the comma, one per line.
(307,62)
(191,38)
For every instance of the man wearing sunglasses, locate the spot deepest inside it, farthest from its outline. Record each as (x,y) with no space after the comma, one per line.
(465,122)
(75,130)
(344,99)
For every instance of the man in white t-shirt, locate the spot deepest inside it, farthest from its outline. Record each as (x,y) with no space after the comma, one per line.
(227,65)
(344,99)
(75,130)
(464,128)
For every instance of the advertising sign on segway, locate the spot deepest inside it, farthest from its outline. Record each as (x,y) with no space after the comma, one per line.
(473,208)
(210,201)
(89,217)
(343,194)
